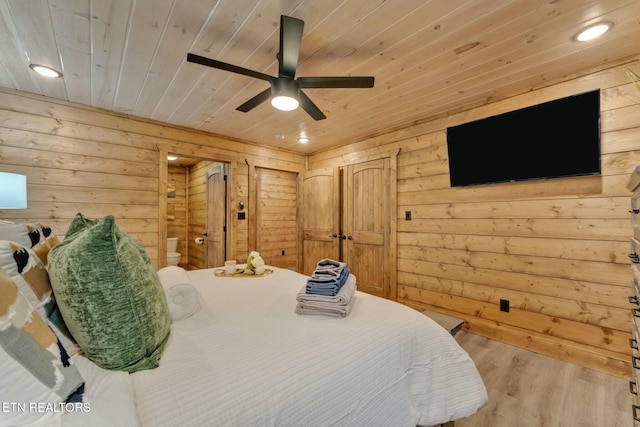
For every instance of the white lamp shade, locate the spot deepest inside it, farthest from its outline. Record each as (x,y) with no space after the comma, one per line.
(13,191)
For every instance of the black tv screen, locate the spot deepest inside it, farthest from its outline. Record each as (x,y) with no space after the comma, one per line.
(555,139)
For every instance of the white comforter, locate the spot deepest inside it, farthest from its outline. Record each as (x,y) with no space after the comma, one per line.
(246,358)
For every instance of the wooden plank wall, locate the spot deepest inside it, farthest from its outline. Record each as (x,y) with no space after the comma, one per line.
(556,249)
(276,217)
(81,159)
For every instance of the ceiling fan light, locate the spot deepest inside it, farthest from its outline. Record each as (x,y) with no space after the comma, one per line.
(43,70)
(284,94)
(284,102)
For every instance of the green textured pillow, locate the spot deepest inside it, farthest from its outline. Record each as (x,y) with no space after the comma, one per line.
(79,223)
(110,296)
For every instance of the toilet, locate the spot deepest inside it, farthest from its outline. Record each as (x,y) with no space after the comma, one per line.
(173,257)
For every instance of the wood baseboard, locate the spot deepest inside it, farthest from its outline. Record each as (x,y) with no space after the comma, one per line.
(600,360)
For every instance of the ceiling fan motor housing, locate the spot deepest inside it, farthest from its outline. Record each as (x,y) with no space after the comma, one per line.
(284,86)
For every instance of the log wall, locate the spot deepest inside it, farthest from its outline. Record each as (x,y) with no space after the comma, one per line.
(556,249)
(81,159)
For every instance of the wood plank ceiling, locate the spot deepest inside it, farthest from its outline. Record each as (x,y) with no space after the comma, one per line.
(428,58)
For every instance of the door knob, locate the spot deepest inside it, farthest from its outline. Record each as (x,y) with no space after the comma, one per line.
(349,238)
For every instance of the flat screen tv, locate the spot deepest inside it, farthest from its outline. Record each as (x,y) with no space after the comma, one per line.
(555,139)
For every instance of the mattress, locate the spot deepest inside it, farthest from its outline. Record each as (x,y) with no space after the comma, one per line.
(246,358)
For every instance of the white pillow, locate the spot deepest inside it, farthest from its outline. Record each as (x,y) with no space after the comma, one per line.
(182,296)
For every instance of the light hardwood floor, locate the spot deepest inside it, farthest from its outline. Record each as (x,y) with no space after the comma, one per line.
(527,389)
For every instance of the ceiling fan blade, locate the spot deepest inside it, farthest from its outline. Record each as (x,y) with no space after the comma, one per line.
(290,41)
(312,109)
(197,59)
(255,101)
(335,82)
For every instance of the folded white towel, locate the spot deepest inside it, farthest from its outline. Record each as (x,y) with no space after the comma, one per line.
(326,309)
(343,296)
(329,263)
(182,296)
(339,305)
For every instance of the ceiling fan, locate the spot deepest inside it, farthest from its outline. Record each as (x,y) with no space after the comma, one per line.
(285,90)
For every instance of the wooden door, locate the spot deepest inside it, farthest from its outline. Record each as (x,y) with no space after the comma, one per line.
(216,215)
(366,225)
(319,201)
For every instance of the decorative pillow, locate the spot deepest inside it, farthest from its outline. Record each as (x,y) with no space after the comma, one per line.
(38,237)
(182,296)
(110,296)
(47,241)
(36,369)
(79,223)
(30,275)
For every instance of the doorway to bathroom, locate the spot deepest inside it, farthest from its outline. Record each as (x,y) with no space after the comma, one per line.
(198,210)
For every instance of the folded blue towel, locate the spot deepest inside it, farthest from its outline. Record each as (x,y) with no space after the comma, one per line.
(328,291)
(328,283)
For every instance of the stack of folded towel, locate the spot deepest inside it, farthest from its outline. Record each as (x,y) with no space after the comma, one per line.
(328,291)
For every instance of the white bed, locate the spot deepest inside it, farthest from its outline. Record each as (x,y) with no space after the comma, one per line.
(246,358)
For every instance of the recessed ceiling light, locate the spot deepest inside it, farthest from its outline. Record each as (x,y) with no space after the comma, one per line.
(593,31)
(303,140)
(172,157)
(43,70)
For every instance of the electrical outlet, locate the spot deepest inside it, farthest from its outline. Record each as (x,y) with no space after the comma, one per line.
(504,305)
(407,215)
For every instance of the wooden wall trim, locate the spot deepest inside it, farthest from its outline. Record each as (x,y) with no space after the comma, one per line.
(393,224)
(163,185)
(253,206)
